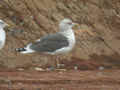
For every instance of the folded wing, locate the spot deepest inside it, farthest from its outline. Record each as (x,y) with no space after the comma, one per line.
(50,43)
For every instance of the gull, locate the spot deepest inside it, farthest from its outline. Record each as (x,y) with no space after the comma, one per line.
(57,43)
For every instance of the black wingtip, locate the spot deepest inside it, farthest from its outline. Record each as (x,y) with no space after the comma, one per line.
(20,49)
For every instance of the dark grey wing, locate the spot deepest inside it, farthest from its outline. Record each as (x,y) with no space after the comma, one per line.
(50,43)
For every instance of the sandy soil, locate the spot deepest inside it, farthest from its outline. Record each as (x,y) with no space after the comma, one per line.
(60,80)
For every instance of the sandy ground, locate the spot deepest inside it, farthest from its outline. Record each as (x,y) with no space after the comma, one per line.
(60,80)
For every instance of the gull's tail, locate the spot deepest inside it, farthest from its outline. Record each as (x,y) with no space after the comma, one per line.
(25,50)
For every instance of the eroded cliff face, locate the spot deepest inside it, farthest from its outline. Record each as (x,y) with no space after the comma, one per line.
(31,19)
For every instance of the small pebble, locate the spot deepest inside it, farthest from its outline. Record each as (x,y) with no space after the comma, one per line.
(20,69)
(75,67)
(60,65)
(50,69)
(62,89)
(101,68)
(61,70)
(32,17)
(39,69)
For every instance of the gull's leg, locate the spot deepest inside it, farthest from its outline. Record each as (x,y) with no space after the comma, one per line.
(58,62)
(52,67)
(54,61)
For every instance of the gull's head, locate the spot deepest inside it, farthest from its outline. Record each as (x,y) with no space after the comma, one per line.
(66,24)
(3,24)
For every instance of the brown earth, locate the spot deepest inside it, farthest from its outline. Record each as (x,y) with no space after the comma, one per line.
(97,47)
(87,80)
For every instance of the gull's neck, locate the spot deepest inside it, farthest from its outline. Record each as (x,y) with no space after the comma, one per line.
(67,32)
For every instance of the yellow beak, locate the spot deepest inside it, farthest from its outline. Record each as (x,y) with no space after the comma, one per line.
(75,26)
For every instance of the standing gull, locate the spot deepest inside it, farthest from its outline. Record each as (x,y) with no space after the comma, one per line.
(58,43)
(2,34)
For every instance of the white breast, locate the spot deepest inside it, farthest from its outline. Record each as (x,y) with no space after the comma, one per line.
(2,38)
(71,37)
